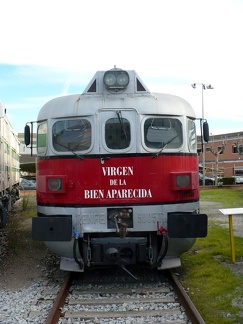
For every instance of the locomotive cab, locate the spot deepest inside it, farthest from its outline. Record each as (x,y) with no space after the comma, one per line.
(117,175)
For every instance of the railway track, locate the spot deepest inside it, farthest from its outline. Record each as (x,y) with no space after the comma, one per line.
(109,298)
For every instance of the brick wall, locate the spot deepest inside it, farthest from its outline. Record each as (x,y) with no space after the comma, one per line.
(230,162)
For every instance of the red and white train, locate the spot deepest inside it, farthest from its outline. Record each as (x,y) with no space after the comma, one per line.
(117,175)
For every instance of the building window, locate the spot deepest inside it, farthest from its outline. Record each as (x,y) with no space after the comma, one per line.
(234,149)
(220,148)
(238,171)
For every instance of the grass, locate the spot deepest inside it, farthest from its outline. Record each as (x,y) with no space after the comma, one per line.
(228,198)
(207,272)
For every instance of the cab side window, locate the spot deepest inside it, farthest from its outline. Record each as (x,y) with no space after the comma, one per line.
(42,138)
(192,137)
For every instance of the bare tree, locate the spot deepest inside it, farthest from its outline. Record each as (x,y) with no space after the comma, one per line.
(216,154)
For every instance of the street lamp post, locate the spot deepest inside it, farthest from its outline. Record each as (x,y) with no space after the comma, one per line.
(204,87)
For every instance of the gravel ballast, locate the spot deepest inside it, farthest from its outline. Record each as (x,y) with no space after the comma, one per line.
(26,273)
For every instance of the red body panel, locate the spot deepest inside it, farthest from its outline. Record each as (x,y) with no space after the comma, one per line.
(117,180)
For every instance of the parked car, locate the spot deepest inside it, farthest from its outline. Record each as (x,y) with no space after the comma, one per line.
(32,180)
(208,181)
(27,184)
(238,179)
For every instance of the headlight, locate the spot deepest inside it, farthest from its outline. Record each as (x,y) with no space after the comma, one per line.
(109,79)
(122,79)
(116,79)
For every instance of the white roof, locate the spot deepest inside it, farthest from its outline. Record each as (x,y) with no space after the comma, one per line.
(96,96)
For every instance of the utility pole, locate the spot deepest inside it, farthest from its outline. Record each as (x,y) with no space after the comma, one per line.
(204,87)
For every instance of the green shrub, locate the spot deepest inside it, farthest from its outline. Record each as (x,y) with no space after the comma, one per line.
(228,181)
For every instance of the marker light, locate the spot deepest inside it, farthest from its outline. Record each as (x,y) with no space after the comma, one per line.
(55,184)
(184,180)
(116,79)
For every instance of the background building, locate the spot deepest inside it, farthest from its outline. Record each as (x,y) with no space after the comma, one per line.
(223,155)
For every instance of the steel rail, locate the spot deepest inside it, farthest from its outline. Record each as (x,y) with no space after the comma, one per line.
(191,311)
(59,302)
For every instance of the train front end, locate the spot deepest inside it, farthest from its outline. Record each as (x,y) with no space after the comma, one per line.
(117,176)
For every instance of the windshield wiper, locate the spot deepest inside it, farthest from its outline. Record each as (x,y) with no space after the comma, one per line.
(164,145)
(66,147)
(119,115)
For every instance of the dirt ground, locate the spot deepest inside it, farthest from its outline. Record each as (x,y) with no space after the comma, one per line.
(25,258)
(212,210)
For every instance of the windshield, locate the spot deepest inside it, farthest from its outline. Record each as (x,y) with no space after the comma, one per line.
(161,132)
(117,132)
(71,135)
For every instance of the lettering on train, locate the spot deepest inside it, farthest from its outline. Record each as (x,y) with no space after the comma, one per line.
(148,217)
(117,194)
(117,171)
(92,219)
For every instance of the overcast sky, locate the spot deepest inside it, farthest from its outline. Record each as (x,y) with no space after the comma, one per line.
(51,48)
